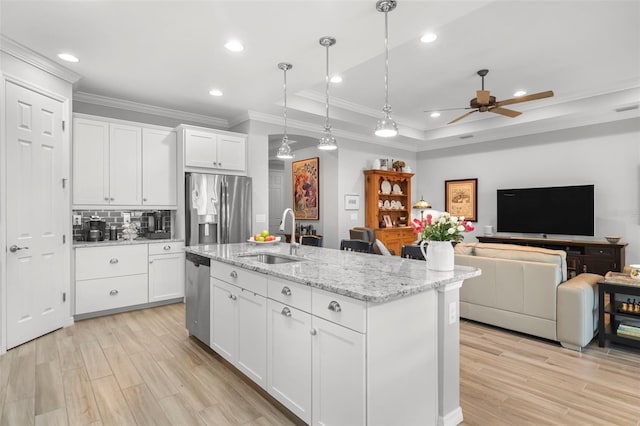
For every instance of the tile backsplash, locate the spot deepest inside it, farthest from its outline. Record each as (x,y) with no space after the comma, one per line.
(115,218)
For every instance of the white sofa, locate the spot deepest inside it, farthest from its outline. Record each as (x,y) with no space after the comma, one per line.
(526,289)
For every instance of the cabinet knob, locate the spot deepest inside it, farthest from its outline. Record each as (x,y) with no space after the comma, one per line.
(286,291)
(151,261)
(112,199)
(233,274)
(313,331)
(106,198)
(144,199)
(232,296)
(286,312)
(113,261)
(113,292)
(167,247)
(334,306)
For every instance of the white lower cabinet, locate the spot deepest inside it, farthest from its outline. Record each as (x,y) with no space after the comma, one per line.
(289,358)
(238,328)
(338,375)
(166,271)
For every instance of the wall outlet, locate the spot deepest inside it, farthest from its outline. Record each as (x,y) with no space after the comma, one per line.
(126,217)
(77,219)
(453,312)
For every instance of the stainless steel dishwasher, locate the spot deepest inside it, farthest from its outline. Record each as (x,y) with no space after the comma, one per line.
(198,297)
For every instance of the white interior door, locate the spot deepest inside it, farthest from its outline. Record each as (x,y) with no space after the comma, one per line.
(276,200)
(37,269)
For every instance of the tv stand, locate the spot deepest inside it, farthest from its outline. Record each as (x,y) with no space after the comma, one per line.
(598,257)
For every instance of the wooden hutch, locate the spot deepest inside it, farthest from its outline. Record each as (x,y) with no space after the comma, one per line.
(381,202)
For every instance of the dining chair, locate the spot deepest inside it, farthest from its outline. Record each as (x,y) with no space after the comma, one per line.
(357,245)
(311,240)
(412,252)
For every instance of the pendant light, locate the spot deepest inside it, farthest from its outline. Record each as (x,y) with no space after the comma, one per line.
(284,151)
(386,127)
(327,141)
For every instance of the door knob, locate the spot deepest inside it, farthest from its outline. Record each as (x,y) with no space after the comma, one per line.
(14,248)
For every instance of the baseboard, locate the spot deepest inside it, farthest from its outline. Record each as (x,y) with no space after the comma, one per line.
(68,322)
(453,418)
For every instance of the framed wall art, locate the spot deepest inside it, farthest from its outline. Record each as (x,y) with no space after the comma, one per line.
(351,202)
(461,198)
(306,188)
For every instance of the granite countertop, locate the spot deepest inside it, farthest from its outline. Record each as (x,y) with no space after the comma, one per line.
(140,240)
(362,276)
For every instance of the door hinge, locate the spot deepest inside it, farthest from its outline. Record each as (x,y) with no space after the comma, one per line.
(64,296)
(64,239)
(63,124)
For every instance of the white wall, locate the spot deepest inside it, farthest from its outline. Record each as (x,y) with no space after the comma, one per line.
(606,155)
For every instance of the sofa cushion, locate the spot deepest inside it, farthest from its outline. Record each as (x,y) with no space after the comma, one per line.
(464,248)
(526,253)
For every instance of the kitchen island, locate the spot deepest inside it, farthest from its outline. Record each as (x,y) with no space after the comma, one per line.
(339,337)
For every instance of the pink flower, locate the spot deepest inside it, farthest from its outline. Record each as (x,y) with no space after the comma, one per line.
(429,218)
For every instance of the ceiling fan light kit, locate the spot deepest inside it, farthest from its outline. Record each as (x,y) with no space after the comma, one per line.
(386,126)
(327,142)
(284,151)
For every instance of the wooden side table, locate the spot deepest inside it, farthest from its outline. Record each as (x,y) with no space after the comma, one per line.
(621,284)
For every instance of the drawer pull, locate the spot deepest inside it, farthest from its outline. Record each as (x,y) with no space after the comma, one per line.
(113,261)
(167,247)
(286,291)
(232,296)
(113,292)
(334,306)
(286,312)
(234,274)
(313,331)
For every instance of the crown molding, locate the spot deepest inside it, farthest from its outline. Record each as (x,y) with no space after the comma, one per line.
(357,108)
(15,49)
(149,109)
(313,128)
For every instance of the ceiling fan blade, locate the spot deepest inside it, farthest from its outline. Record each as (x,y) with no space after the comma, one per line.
(446,109)
(507,112)
(533,97)
(462,116)
(483,97)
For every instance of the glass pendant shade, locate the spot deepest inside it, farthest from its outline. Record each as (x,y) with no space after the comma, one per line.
(386,127)
(284,150)
(327,142)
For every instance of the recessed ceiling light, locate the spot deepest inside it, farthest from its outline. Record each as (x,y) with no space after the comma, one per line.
(336,79)
(435,114)
(67,57)
(234,46)
(429,38)
(215,92)
(520,93)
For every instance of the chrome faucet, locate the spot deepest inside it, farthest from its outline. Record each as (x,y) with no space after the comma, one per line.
(293,247)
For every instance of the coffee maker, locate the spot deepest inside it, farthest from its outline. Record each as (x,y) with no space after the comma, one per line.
(95,229)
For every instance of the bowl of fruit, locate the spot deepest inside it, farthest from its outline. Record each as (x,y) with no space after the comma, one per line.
(264,238)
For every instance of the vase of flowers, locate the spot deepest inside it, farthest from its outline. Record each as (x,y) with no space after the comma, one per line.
(129,231)
(438,233)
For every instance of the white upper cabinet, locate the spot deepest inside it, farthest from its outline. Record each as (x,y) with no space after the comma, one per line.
(117,164)
(213,150)
(159,164)
(125,165)
(90,162)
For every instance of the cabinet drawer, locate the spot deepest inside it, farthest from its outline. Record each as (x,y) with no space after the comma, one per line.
(290,293)
(111,261)
(600,251)
(166,248)
(339,309)
(235,275)
(110,293)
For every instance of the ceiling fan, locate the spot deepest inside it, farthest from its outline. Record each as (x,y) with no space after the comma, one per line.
(484,102)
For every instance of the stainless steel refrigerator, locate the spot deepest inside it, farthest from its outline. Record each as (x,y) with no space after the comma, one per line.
(218,209)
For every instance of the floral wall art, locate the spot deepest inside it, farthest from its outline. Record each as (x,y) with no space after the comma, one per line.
(306,188)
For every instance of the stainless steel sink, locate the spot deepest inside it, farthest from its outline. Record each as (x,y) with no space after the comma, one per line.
(270,258)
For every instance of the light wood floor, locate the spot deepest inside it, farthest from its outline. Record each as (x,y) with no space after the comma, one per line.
(142,368)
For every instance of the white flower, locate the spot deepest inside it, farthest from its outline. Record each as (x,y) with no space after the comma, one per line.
(461,228)
(451,230)
(454,219)
(461,218)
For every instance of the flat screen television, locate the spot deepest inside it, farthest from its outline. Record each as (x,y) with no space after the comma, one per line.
(567,210)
